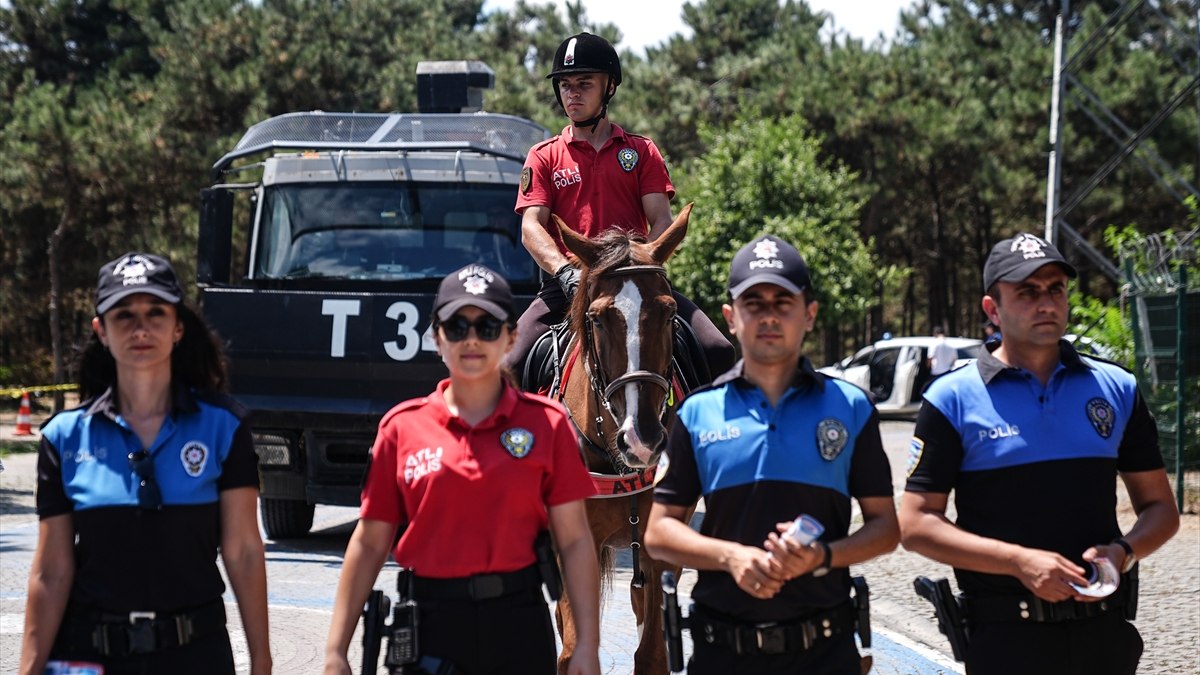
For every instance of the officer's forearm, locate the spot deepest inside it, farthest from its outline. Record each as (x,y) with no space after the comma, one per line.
(581,577)
(1158,519)
(879,534)
(931,534)
(673,541)
(537,239)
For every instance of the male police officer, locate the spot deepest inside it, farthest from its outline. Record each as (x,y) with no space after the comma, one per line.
(767,441)
(596,177)
(1030,439)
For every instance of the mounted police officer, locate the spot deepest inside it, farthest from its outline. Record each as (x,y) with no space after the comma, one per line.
(1031,438)
(595,176)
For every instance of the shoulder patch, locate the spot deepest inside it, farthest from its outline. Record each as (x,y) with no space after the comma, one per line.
(526,180)
(915,449)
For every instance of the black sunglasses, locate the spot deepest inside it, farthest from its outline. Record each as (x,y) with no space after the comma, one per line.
(487,328)
(148,494)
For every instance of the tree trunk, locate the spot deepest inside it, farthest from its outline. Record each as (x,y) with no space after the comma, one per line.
(54,261)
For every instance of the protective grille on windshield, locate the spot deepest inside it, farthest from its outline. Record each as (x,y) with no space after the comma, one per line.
(501,133)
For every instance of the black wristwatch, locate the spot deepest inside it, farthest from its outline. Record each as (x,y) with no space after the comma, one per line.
(1130,557)
(823,568)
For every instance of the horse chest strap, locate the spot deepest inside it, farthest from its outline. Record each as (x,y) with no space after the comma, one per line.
(624,485)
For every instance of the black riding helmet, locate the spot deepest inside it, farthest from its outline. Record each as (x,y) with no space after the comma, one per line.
(586,53)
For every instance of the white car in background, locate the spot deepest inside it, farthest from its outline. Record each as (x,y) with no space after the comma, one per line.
(896,370)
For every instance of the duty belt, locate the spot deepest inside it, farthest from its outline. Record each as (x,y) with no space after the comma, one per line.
(771,638)
(478,587)
(126,633)
(1034,609)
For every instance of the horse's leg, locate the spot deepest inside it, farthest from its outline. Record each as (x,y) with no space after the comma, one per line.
(566,631)
(600,519)
(651,655)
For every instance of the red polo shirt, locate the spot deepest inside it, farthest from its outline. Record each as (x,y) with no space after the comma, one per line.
(594,191)
(474,498)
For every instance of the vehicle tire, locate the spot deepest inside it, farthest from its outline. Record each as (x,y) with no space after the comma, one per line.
(286,518)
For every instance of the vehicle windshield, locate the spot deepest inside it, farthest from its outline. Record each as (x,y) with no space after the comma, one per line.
(388,231)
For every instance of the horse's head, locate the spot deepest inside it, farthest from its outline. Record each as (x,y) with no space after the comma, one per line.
(623,312)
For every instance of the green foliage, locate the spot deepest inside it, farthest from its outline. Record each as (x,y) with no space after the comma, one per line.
(1103,324)
(765,176)
(876,159)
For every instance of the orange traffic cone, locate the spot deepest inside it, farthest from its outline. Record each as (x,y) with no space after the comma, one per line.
(23,427)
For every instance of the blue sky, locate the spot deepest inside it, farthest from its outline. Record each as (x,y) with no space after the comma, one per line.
(650,22)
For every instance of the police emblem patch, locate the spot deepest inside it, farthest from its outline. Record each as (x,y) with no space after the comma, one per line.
(517,442)
(526,180)
(1102,416)
(915,448)
(664,463)
(194,457)
(831,438)
(627,158)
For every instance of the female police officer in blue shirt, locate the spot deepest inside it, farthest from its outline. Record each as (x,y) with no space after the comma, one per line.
(138,489)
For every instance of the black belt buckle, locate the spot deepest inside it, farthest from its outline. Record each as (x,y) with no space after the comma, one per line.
(142,638)
(762,639)
(486,586)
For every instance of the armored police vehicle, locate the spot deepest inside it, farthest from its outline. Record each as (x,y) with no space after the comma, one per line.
(321,246)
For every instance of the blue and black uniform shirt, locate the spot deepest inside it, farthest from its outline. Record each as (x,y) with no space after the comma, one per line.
(757,465)
(1029,464)
(129,558)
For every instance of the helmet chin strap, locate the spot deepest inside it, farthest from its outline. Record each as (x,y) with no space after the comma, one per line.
(595,121)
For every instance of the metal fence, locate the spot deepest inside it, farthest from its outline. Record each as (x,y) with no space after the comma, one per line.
(1164,303)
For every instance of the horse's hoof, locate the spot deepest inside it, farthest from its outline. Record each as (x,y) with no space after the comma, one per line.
(866,662)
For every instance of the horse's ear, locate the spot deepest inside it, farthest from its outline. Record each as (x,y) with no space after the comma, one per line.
(576,243)
(669,240)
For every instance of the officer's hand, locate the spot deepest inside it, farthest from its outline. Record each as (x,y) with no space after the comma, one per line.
(1048,575)
(567,277)
(1114,553)
(790,558)
(337,665)
(751,570)
(584,663)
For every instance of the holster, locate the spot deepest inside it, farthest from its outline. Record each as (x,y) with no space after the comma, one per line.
(403,645)
(949,613)
(673,623)
(862,605)
(1131,602)
(374,626)
(547,564)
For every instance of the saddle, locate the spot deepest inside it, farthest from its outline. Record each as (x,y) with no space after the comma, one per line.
(543,368)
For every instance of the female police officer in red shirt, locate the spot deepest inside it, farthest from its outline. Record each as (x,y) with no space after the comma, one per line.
(469,475)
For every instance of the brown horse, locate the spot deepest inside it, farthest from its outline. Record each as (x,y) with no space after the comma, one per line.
(618,386)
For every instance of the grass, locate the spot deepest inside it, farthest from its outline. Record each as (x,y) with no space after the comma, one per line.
(15,447)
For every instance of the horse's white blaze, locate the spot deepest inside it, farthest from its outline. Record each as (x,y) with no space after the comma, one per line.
(629,303)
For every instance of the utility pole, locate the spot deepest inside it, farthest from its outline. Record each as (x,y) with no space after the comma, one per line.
(1054,174)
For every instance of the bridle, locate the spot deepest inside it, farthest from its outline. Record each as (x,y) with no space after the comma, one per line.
(603,389)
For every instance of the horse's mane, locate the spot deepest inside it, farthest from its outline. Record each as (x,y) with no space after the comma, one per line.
(616,251)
